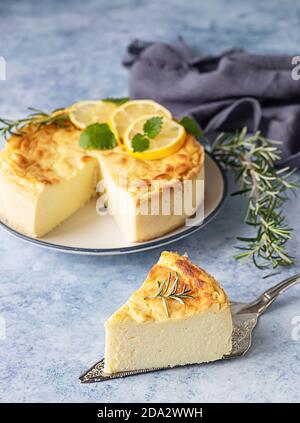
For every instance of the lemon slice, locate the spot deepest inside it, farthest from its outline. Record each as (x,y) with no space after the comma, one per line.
(86,112)
(132,110)
(169,140)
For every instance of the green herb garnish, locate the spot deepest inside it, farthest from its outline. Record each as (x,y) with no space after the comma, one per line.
(165,292)
(191,126)
(140,143)
(37,118)
(118,101)
(97,136)
(252,158)
(152,127)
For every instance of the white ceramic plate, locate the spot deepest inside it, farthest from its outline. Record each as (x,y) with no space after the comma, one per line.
(88,233)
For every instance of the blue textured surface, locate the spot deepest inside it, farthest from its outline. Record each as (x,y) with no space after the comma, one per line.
(54,304)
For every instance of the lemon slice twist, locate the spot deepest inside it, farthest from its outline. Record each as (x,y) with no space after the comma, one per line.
(169,140)
(123,117)
(85,113)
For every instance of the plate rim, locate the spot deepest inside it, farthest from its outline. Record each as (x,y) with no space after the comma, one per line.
(132,249)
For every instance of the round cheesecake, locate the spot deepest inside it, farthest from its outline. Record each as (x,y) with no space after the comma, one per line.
(45,177)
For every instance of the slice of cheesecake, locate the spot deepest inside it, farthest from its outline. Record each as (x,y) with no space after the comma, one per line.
(42,181)
(151,198)
(180,315)
(45,177)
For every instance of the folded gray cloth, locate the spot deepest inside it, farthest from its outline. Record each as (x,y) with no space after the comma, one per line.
(224,92)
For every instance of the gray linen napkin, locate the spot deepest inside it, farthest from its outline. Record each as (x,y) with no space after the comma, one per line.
(223,92)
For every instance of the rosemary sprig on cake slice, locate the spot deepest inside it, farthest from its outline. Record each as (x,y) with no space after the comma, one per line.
(165,292)
(80,114)
(37,117)
(252,158)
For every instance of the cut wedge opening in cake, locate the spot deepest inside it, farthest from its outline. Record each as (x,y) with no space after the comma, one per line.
(179,316)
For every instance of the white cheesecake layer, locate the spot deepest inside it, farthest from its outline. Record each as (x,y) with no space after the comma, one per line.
(35,212)
(197,339)
(136,220)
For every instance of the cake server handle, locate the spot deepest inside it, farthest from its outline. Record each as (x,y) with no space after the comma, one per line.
(261,304)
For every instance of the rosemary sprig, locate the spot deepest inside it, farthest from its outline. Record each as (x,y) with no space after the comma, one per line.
(252,158)
(37,118)
(165,291)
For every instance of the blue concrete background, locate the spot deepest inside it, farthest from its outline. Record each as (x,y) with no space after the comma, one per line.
(54,304)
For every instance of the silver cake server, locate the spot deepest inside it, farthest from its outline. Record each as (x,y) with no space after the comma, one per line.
(244,317)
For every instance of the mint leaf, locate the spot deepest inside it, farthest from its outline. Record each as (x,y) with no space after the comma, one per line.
(140,142)
(191,126)
(117,101)
(153,126)
(97,136)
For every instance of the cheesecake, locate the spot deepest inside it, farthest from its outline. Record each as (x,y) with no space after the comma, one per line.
(179,316)
(45,177)
(149,198)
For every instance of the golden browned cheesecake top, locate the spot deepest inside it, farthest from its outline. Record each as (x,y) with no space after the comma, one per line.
(184,164)
(51,154)
(204,289)
(44,156)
